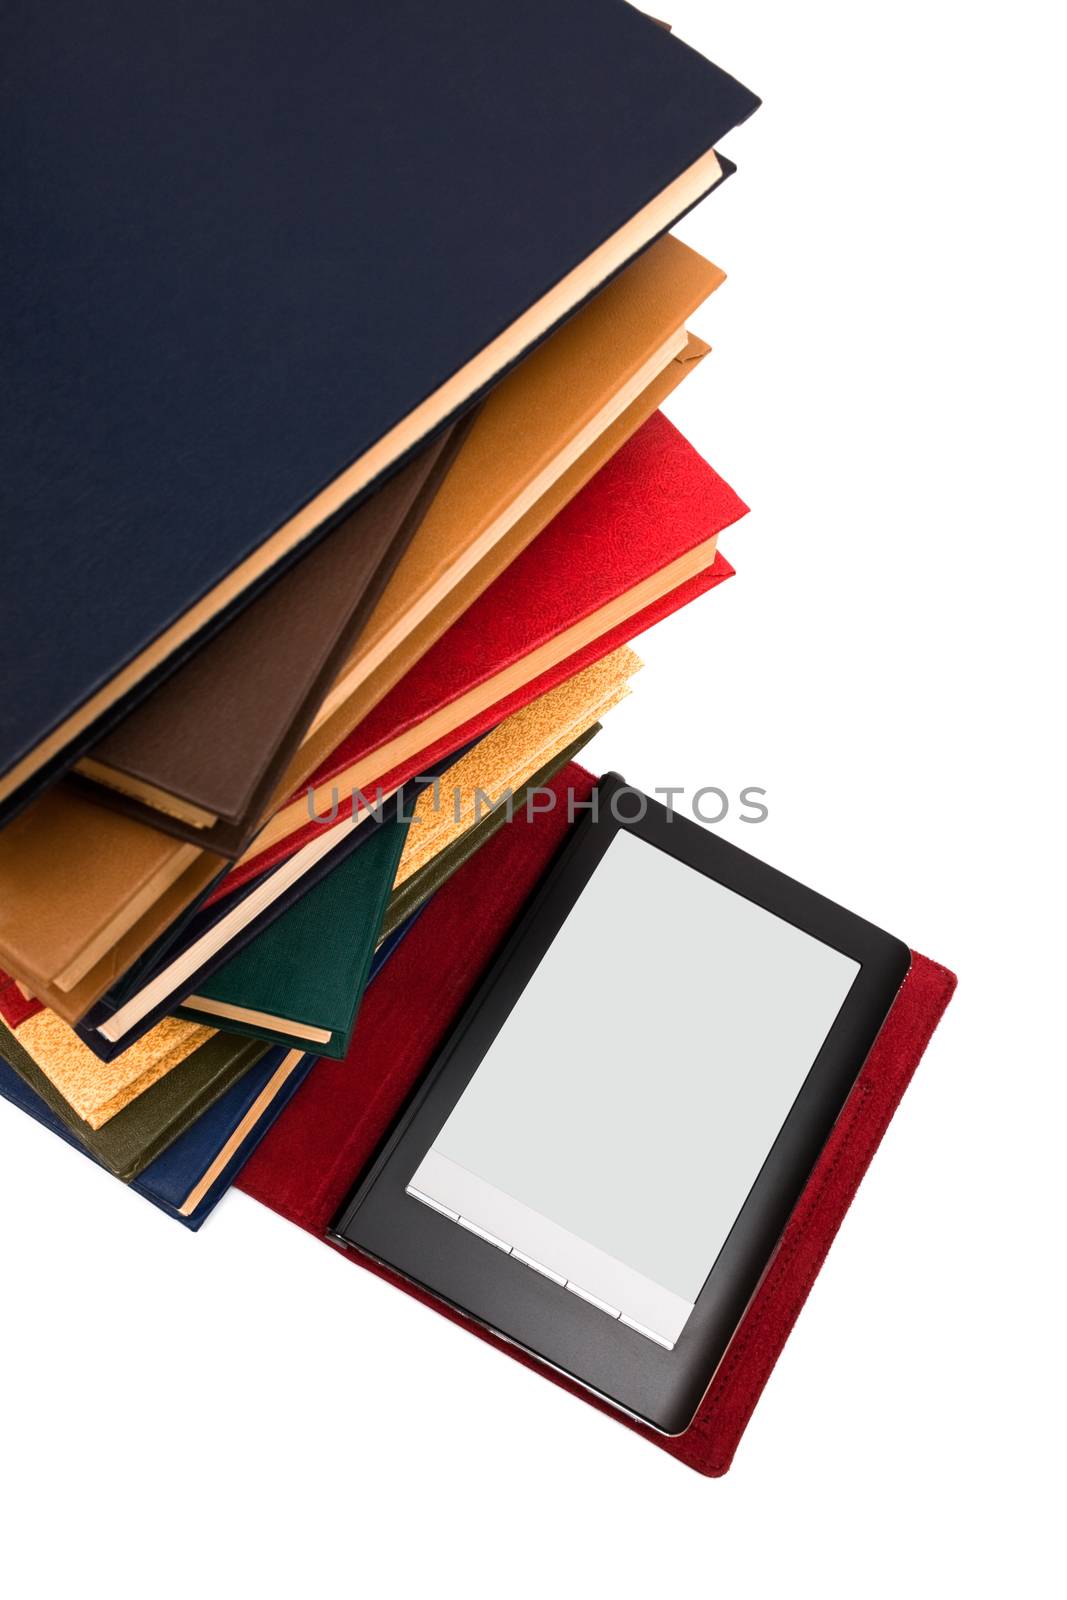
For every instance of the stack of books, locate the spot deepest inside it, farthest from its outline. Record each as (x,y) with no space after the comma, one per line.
(334,488)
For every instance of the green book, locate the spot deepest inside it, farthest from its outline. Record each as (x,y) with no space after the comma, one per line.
(133,1138)
(300,982)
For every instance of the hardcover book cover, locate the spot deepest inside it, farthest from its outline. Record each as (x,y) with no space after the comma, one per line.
(201,756)
(506,758)
(217,930)
(84,890)
(190,1178)
(96,1092)
(300,982)
(198,389)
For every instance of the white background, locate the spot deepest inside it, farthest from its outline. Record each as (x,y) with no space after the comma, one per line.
(241,1410)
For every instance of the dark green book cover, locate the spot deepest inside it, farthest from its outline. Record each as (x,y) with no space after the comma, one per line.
(301,981)
(141,1131)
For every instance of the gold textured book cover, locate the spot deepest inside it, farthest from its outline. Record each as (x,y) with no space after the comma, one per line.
(512,753)
(97,1090)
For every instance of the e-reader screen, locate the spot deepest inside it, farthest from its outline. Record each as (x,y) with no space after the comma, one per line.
(616,1124)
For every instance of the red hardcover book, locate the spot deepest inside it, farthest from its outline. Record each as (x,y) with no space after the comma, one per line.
(320,1147)
(595,576)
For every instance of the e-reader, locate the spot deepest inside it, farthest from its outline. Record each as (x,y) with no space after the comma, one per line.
(601,1161)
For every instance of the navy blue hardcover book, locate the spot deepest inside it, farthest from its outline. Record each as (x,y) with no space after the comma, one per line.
(252,254)
(190,1178)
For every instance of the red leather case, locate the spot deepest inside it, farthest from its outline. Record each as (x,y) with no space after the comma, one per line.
(320,1146)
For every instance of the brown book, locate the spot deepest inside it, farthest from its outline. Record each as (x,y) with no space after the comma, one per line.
(202,755)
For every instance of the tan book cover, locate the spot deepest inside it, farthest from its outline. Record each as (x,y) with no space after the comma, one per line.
(83,892)
(328,729)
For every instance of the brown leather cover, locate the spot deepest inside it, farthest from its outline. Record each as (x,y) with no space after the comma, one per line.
(84,887)
(218,733)
(538,421)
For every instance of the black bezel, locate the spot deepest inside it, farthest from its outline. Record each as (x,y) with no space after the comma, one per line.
(660,1387)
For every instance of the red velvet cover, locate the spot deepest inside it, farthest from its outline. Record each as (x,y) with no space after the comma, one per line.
(14,1007)
(319,1147)
(652,503)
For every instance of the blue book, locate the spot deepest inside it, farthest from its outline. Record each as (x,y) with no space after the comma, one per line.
(191,1176)
(261,256)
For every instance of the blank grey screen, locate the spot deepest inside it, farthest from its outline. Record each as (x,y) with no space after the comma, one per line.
(635,1089)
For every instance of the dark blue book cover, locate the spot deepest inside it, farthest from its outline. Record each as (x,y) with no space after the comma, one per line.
(253,252)
(190,1178)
